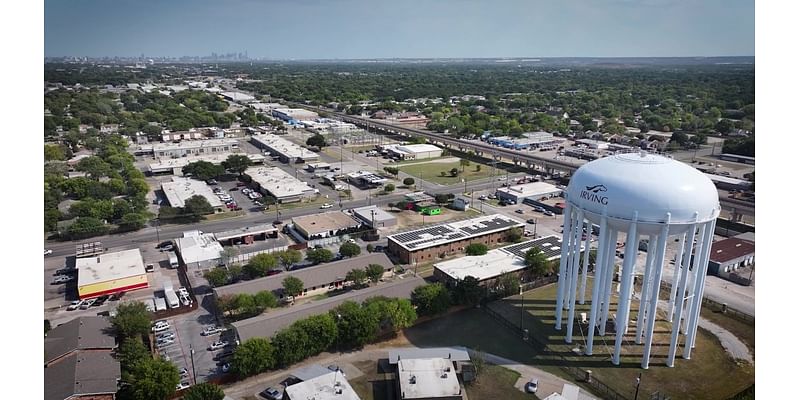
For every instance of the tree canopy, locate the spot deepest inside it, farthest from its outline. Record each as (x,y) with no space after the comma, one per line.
(349,249)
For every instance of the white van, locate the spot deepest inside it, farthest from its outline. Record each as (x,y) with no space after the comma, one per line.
(173,260)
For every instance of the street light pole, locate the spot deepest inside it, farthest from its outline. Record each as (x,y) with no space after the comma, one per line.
(158,236)
(638,381)
(194,374)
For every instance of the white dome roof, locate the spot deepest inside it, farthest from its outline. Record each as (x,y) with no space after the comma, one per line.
(650,184)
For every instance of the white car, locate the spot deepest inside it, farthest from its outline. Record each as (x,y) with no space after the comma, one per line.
(182,290)
(532,386)
(185,300)
(211,330)
(165,336)
(326,205)
(62,279)
(184,372)
(220,344)
(181,386)
(161,326)
(164,342)
(74,305)
(48,252)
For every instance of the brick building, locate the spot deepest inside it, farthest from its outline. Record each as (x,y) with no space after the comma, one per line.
(429,243)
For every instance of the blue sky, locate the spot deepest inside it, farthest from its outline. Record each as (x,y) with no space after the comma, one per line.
(303,29)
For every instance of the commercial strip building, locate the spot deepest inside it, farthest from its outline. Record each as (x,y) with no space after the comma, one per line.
(266,325)
(317,280)
(199,250)
(293,115)
(738,158)
(365,179)
(181,189)
(728,255)
(110,273)
(175,165)
(593,144)
(534,191)
(490,266)
(728,183)
(331,386)
(187,148)
(78,363)
(325,225)
(374,217)
(279,184)
(280,147)
(248,234)
(237,96)
(529,140)
(413,151)
(426,244)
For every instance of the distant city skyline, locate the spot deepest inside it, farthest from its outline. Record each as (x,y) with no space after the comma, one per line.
(362,29)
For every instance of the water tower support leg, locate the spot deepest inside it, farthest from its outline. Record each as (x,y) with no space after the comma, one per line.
(573,287)
(657,268)
(645,297)
(623,311)
(609,279)
(585,270)
(694,314)
(675,274)
(597,288)
(681,294)
(562,269)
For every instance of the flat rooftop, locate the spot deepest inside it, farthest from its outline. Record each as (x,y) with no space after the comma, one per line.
(730,249)
(266,325)
(286,148)
(193,144)
(109,266)
(329,221)
(331,386)
(726,179)
(278,182)
(451,353)
(532,189)
(198,248)
(181,189)
(366,214)
(454,231)
(418,148)
(367,176)
(427,378)
(247,230)
(215,158)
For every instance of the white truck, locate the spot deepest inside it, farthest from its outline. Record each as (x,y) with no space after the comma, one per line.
(173,260)
(171,296)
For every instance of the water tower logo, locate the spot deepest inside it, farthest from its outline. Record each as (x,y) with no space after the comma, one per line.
(592,193)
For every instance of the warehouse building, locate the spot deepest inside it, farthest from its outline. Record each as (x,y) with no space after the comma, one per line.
(374,217)
(414,151)
(238,97)
(738,158)
(534,191)
(728,183)
(187,148)
(731,254)
(175,165)
(268,324)
(490,266)
(78,362)
(199,250)
(429,243)
(287,151)
(247,234)
(279,184)
(293,115)
(365,179)
(593,144)
(317,280)
(181,189)
(110,273)
(325,225)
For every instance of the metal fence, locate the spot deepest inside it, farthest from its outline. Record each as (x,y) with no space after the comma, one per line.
(720,307)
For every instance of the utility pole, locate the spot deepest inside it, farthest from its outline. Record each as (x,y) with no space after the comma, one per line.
(194,374)
(638,381)
(158,237)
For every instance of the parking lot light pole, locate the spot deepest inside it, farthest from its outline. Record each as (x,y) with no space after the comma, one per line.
(194,374)
(158,237)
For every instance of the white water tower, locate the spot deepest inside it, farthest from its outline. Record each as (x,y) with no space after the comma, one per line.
(647,197)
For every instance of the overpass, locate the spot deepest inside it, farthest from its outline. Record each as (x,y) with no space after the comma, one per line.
(528,159)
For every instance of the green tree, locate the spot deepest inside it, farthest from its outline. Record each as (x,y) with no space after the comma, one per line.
(476,249)
(265,299)
(237,163)
(290,257)
(536,260)
(197,206)
(216,277)
(355,324)
(204,391)
(454,172)
(680,138)
(227,254)
(132,222)
(54,153)
(349,249)
(375,272)
(94,166)
(477,168)
(291,345)
(151,379)
(319,255)
(357,276)
(131,351)
(132,319)
(468,291)
(316,141)
(252,357)
(259,265)
(408,181)
(507,284)
(393,314)
(464,163)
(245,304)
(85,227)
(321,331)
(391,170)
(514,235)
(431,299)
(724,126)
(293,286)
(388,188)
(203,170)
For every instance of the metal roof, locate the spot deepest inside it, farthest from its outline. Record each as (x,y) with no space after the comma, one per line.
(730,249)
(456,353)
(448,232)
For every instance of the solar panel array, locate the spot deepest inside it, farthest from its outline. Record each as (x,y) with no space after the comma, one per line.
(421,238)
(549,245)
(495,223)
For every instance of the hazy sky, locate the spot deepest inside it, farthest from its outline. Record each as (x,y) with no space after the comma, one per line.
(283,29)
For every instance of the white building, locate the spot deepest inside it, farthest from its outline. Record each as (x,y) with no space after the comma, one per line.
(181,189)
(191,147)
(199,250)
(593,144)
(237,96)
(414,151)
(294,114)
(279,184)
(534,191)
(331,386)
(286,150)
(175,165)
(110,273)
(370,214)
(428,378)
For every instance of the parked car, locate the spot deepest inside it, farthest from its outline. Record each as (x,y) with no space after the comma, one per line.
(271,393)
(181,386)
(519,211)
(74,305)
(531,221)
(62,279)
(87,303)
(549,213)
(161,326)
(219,344)
(225,354)
(47,252)
(168,247)
(483,197)
(165,335)
(326,205)
(233,189)
(211,182)
(210,330)
(164,342)
(532,386)
(65,271)
(184,372)
(225,368)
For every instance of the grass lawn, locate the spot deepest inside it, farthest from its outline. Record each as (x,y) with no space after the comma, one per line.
(497,382)
(377,383)
(431,172)
(746,333)
(224,215)
(710,373)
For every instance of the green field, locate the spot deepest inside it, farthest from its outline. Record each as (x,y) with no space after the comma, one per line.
(431,172)
(496,382)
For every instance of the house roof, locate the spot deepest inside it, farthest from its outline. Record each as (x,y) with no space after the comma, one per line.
(78,334)
(82,373)
(313,276)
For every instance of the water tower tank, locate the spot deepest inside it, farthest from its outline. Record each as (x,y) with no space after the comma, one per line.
(642,196)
